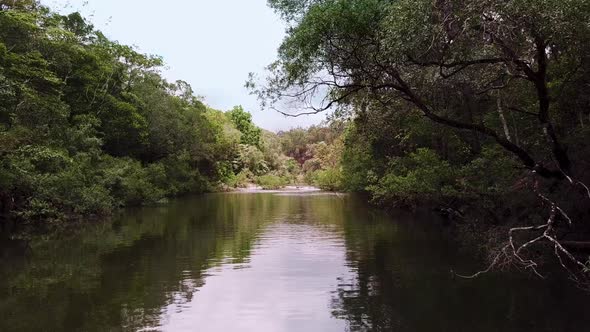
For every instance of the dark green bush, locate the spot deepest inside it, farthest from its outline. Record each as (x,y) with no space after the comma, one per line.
(421,176)
(328,179)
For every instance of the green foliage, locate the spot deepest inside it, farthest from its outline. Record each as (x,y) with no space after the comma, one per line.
(243,121)
(478,73)
(130,183)
(251,158)
(271,181)
(46,184)
(500,171)
(315,154)
(298,143)
(421,176)
(476,107)
(357,162)
(88,125)
(330,179)
(240,180)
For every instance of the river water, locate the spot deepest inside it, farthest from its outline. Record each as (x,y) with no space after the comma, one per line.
(269,262)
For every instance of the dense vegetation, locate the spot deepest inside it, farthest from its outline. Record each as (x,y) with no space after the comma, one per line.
(88,125)
(478,108)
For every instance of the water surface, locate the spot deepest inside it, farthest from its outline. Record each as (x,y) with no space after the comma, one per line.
(268,262)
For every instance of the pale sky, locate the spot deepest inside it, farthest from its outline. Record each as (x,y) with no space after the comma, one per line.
(211,44)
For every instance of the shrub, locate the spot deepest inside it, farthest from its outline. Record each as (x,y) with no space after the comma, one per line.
(328,179)
(130,183)
(271,181)
(48,185)
(252,158)
(420,176)
(179,177)
(37,209)
(241,179)
(96,200)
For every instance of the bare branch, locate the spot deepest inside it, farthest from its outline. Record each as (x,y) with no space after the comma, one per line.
(512,254)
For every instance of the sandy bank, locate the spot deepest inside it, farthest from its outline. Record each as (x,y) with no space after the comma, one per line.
(288,189)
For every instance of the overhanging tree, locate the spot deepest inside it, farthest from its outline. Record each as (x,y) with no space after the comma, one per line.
(465,64)
(439,56)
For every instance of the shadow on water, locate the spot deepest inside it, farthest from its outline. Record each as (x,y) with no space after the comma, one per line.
(149,265)
(404,282)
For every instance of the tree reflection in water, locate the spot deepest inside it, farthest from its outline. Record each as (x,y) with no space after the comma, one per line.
(150,265)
